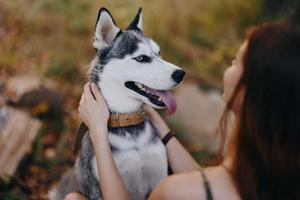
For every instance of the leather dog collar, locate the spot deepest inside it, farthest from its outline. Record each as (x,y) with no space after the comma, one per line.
(126,119)
(115,120)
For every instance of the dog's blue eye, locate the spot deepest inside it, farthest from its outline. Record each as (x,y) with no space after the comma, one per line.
(143,59)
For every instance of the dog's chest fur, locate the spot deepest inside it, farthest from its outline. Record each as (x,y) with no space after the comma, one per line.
(139,155)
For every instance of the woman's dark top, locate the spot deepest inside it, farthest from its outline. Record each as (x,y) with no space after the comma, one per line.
(206,186)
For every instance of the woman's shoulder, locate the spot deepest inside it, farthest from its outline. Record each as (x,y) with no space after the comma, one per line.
(191,186)
(180,186)
(221,183)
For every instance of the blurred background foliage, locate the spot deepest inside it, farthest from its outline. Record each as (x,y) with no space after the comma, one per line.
(53,39)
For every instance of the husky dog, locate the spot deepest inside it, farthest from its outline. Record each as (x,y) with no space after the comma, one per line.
(130,72)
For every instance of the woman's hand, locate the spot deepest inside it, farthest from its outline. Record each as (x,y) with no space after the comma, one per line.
(157,121)
(179,158)
(93,111)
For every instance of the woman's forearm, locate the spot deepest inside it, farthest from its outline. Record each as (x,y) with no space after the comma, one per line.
(95,114)
(179,158)
(111,183)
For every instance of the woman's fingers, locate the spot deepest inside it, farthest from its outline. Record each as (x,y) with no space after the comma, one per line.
(147,107)
(88,92)
(92,107)
(82,99)
(91,91)
(149,110)
(96,92)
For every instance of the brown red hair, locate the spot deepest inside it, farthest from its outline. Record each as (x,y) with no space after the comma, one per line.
(266,140)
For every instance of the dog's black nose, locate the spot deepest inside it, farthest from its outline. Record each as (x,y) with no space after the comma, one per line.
(178,75)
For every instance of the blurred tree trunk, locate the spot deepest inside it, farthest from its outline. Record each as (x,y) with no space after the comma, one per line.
(17,133)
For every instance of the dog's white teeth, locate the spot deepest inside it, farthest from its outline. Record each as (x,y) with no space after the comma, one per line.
(139,85)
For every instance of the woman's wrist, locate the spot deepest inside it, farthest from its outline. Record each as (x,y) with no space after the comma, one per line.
(99,126)
(161,127)
(100,131)
(158,122)
(168,136)
(163,131)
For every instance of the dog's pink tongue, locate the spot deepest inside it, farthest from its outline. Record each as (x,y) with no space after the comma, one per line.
(167,98)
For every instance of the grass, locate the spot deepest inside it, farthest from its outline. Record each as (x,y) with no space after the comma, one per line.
(53,37)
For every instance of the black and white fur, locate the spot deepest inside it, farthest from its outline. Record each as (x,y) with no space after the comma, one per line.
(122,56)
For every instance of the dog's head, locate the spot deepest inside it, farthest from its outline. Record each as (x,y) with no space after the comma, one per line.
(128,67)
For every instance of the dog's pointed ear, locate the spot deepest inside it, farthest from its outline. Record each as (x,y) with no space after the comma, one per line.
(137,23)
(106,29)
